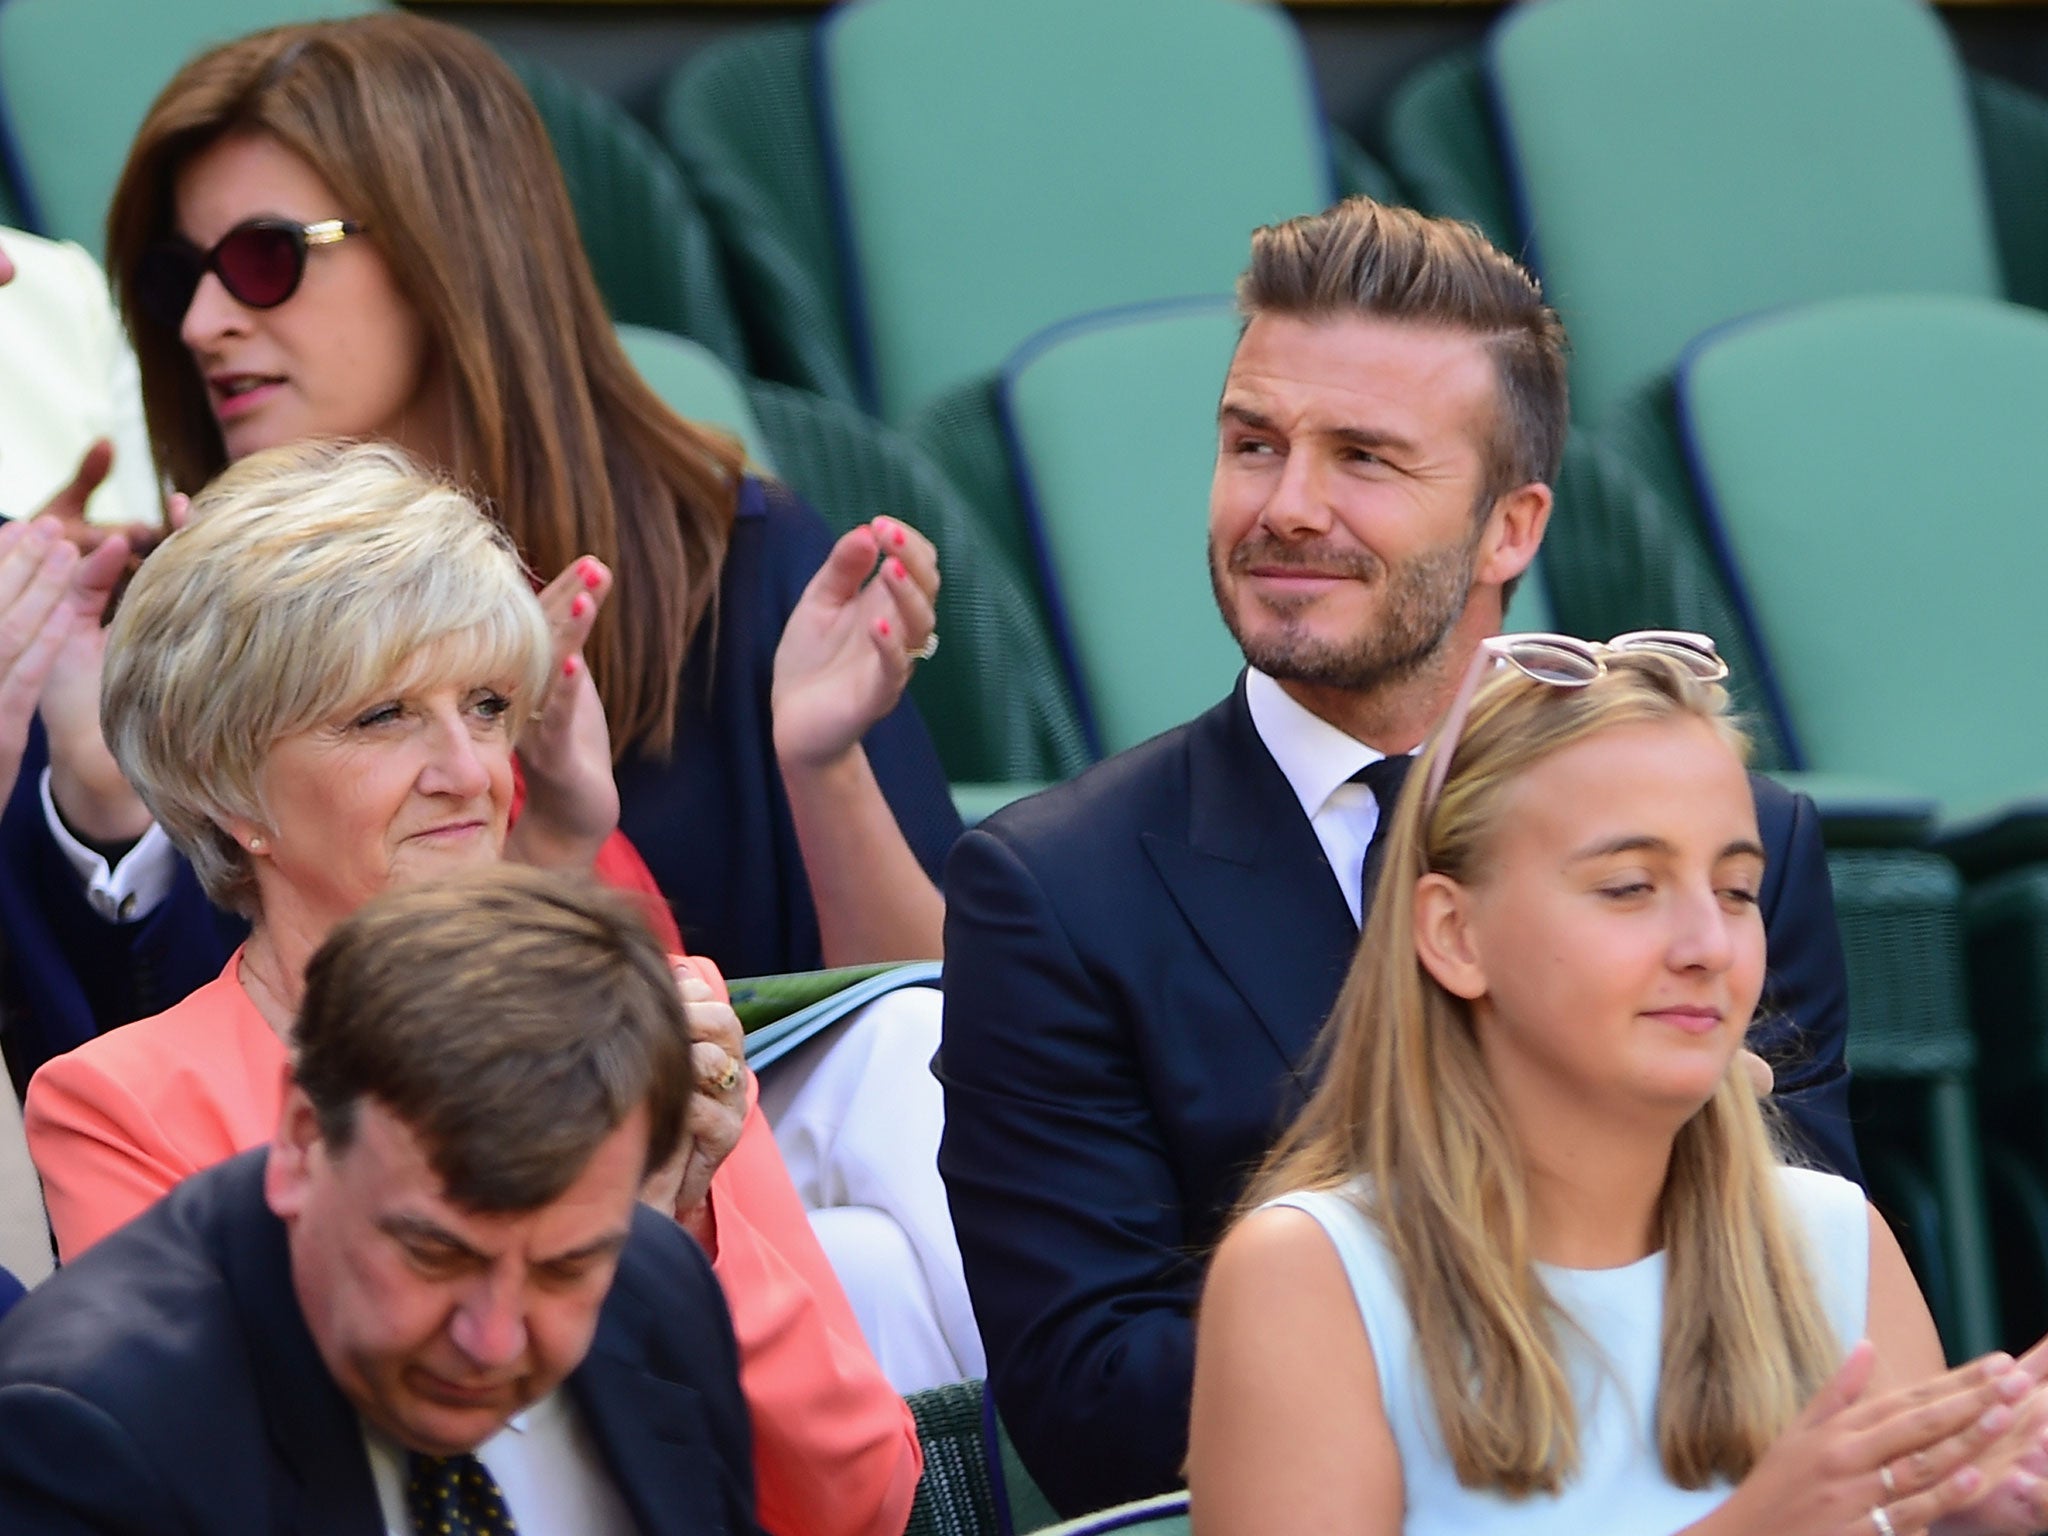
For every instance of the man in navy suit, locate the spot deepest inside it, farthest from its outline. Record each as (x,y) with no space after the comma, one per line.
(1137,962)
(434,1302)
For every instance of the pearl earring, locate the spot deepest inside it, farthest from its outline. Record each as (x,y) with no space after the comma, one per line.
(255,842)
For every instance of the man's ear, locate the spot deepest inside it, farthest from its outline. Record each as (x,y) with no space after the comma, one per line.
(294,1147)
(1514,532)
(1443,937)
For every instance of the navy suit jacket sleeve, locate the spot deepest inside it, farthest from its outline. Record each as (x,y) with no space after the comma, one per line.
(68,1469)
(71,973)
(1802,1026)
(1064,1195)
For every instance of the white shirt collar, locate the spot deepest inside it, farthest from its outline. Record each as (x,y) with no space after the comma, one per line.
(1316,758)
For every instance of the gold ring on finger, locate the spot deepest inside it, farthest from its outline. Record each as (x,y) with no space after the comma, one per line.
(929,649)
(731,1077)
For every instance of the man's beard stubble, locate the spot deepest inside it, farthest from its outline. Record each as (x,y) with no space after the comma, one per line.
(1421,601)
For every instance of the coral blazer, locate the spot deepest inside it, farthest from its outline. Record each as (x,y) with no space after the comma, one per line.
(117,1122)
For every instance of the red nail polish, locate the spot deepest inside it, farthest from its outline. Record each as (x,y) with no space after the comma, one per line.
(569,666)
(580,607)
(590,577)
(896,534)
(882,628)
(896,568)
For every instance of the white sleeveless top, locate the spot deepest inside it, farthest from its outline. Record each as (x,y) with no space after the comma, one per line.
(1620,1485)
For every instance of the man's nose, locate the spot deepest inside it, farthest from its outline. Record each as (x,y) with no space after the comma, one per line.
(489,1325)
(1297,505)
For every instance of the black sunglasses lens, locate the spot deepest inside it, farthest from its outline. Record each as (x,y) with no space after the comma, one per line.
(165,281)
(261,264)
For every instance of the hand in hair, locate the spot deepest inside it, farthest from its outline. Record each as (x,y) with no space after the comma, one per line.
(847,650)
(572,800)
(718,1109)
(1947,1442)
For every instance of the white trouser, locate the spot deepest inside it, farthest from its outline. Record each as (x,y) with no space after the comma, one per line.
(856,1113)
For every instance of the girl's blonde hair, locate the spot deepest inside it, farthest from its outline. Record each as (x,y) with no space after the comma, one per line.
(1405,1101)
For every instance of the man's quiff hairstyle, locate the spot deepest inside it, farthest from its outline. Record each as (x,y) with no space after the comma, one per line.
(1369,259)
(511,1018)
(311,579)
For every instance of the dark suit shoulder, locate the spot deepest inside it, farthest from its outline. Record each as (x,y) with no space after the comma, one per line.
(130,1320)
(1142,789)
(137,1361)
(665,1289)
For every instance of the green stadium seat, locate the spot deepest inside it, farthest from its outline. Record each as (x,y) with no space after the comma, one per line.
(77,78)
(1683,164)
(696,383)
(1114,420)
(648,241)
(1001,168)
(955,1496)
(1892,61)
(1869,474)
(740,118)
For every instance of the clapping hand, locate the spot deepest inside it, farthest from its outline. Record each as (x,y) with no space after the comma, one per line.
(848,648)
(572,800)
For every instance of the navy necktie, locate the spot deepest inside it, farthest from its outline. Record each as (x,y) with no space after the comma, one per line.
(455,1496)
(1384,778)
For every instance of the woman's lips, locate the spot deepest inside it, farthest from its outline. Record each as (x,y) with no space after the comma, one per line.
(1692,1020)
(237,394)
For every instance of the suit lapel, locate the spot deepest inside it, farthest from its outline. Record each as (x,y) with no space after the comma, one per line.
(1253,883)
(650,1430)
(326,1489)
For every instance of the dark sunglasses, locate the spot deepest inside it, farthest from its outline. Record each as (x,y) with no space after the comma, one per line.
(260,262)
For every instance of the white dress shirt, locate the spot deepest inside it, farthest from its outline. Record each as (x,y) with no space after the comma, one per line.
(551,1472)
(1318,761)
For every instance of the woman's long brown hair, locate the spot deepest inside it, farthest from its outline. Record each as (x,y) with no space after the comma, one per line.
(428,138)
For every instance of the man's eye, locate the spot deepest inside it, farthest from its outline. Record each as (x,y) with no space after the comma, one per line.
(433,1261)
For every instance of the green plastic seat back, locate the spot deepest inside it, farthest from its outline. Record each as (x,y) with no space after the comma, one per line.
(649,243)
(1687,162)
(1002,167)
(77,77)
(696,383)
(1442,146)
(1870,469)
(741,117)
(1114,423)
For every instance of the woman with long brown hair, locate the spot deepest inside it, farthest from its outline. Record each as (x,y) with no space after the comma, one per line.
(1538,1174)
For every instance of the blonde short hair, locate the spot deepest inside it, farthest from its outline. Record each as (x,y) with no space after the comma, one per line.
(310,578)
